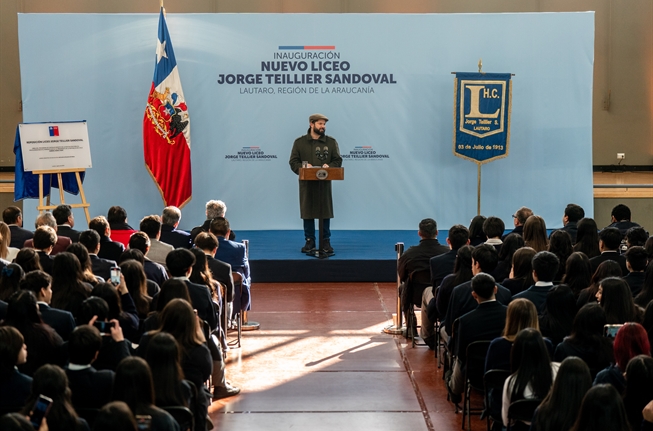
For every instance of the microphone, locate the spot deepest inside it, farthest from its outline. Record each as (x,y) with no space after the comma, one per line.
(326,152)
(317,152)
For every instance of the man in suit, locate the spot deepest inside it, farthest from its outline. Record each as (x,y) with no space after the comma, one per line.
(221,271)
(214,208)
(484,259)
(493,228)
(636,263)
(40,283)
(235,255)
(169,233)
(545,267)
(100,267)
(13,216)
(158,252)
(609,241)
(109,249)
(63,214)
(44,240)
(620,219)
(441,266)
(47,219)
(573,213)
(90,388)
(484,323)
(153,271)
(519,218)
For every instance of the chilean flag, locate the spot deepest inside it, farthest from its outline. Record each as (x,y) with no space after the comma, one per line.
(166,127)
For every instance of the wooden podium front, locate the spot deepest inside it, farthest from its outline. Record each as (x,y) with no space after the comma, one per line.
(321,174)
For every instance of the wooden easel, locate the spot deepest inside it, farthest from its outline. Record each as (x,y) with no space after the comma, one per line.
(47,206)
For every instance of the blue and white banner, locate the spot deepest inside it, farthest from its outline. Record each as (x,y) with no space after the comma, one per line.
(384,81)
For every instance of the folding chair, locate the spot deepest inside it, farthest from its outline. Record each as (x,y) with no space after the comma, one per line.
(522,411)
(238,287)
(183,416)
(417,281)
(494,380)
(474,370)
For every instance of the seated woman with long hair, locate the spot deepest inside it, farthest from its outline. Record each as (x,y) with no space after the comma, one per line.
(578,272)
(521,275)
(631,340)
(51,381)
(10,278)
(587,238)
(535,235)
(14,386)
(85,262)
(558,317)
(532,370)
(43,342)
(606,269)
(28,259)
(69,289)
(7,253)
(559,409)
(586,340)
(617,301)
(121,308)
(476,234)
(602,410)
(639,388)
(171,289)
(560,245)
(136,283)
(511,244)
(646,294)
(133,385)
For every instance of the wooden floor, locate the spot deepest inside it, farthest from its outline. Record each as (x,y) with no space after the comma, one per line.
(322,362)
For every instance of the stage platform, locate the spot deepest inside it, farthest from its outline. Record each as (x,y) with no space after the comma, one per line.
(361,255)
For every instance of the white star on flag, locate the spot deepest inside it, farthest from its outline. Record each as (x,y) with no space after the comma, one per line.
(160,50)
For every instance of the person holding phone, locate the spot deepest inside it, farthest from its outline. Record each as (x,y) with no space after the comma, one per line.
(50,383)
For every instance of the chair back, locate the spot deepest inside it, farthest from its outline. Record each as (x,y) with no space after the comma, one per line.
(418,280)
(523,410)
(183,416)
(494,380)
(475,366)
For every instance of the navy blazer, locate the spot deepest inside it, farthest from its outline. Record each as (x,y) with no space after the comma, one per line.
(462,302)
(155,271)
(19,236)
(484,323)
(537,295)
(441,266)
(200,299)
(91,389)
(110,250)
(46,260)
(174,237)
(221,271)
(71,233)
(14,391)
(609,255)
(61,321)
(102,267)
(234,254)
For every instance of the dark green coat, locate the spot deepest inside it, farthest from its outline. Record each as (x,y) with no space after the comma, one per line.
(315,201)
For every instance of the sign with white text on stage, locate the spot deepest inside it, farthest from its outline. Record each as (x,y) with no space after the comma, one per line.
(481,116)
(55,146)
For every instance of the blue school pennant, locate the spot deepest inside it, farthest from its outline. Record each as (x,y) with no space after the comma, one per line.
(481,116)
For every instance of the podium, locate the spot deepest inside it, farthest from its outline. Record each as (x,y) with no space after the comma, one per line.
(321,174)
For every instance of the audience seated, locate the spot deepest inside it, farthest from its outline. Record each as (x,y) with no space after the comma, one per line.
(602,410)
(158,251)
(169,233)
(44,240)
(493,228)
(462,272)
(84,258)
(13,217)
(620,219)
(636,237)
(136,284)
(120,230)
(110,250)
(535,235)
(587,341)
(560,245)
(63,215)
(28,259)
(133,385)
(153,271)
(68,288)
(558,317)
(519,218)
(636,265)
(101,267)
(559,409)
(573,214)
(476,234)
(14,386)
(631,340)
(606,269)
(609,240)
(645,296)
(90,388)
(617,302)
(533,372)
(43,343)
(511,243)
(51,381)
(545,267)
(587,238)
(214,209)
(521,274)
(121,307)
(171,289)
(115,416)
(152,288)
(481,324)
(7,253)
(639,388)
(10,278)
(578,273)
(221,271)
(40,283)
(62,243)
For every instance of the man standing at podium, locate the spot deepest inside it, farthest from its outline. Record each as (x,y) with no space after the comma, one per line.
(315,200)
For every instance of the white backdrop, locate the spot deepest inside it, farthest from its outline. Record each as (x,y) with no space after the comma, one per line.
(98,67)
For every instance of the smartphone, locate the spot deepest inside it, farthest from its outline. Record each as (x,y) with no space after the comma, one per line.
(144,422)
(40,410)
(115,275)
(103,327)
(610,331)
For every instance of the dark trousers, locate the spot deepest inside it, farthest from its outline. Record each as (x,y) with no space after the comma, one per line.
(309,228)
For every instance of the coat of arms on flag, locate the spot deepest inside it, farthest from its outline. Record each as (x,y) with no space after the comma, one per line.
(166,126)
